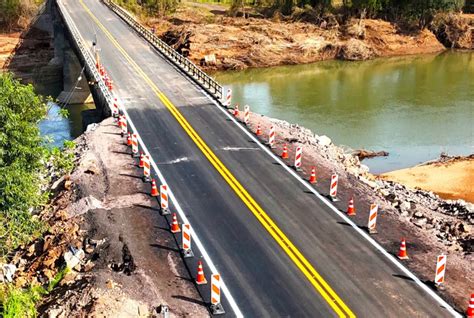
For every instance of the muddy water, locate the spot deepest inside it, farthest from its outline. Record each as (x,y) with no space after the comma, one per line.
(413,107)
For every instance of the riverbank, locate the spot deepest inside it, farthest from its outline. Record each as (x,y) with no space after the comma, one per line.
(450,178)
(431,225)
(218,42)
(122,258)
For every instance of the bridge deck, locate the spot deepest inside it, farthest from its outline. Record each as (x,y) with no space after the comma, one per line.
(261,277)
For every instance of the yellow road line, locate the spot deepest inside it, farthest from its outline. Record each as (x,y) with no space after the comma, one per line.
(295,255)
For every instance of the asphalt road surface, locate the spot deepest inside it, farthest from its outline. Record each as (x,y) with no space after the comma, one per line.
(280,250)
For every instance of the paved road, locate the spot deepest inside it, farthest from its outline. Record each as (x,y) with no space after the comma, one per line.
(261,276)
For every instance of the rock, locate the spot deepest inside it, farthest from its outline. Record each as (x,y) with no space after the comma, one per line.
(73,257)
(371,184)
(8,271)
(324,140)
(88,266)
(111,284)
(391,197)
(420,222)
(92,169)
(418,215)
(405,213)
(68,184)
(69,278)
(56,313)
(91,127)
(57,184)
(405,206)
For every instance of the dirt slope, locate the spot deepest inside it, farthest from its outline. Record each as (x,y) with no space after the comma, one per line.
(239,43)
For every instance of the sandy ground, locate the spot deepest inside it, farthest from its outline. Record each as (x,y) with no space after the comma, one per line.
(450,180)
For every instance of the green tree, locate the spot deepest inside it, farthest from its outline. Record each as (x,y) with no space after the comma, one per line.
(22,158)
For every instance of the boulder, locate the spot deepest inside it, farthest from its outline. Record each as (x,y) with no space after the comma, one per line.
(324,140)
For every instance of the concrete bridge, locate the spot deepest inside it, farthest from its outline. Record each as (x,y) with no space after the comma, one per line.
(278,244)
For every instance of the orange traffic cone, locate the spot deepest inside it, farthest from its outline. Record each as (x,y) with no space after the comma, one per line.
(129,139)
(174,225)
(284,154)
(259,130)
(402,254)
(200,279)
(470,308)
(141,163)
(312,178)
(236,110)
(350,207)
(154,189)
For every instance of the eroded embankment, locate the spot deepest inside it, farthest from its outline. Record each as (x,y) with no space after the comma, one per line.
(106,227)
(431,225)
(219,42)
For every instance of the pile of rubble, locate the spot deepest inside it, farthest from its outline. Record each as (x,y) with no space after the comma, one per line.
(450,220)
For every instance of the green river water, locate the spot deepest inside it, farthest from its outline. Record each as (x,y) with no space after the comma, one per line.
(413,107)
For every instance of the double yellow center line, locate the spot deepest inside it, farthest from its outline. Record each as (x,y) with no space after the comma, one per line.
(301,262)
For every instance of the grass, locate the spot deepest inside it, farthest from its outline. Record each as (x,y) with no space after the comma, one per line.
(21,303)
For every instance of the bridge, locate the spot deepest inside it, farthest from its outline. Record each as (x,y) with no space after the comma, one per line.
(278,244)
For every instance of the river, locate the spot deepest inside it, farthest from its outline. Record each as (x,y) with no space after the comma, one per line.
(413,107)
(57,129)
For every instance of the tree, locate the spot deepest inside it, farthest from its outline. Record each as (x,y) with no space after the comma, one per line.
(22,157)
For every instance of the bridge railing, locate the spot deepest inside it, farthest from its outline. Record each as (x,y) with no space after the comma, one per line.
(85,54)
(207,82)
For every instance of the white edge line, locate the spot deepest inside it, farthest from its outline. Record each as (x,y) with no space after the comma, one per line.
(390,257)
(180,211)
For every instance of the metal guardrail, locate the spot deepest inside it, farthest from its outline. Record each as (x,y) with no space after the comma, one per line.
(194,72)
(86,54)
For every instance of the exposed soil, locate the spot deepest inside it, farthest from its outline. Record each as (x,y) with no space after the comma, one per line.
(132,264)
(421,224)
(451,179)
(239,43)
(29,54)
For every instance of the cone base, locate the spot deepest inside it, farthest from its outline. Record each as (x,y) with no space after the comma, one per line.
(312,181)
(351,213)
(284,157)
(175,230)
(187,253)
(154,194)
(402,257)
(217,309)
(201,282)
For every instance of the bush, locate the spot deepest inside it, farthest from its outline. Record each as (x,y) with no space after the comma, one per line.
(22,157)
(18,302)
